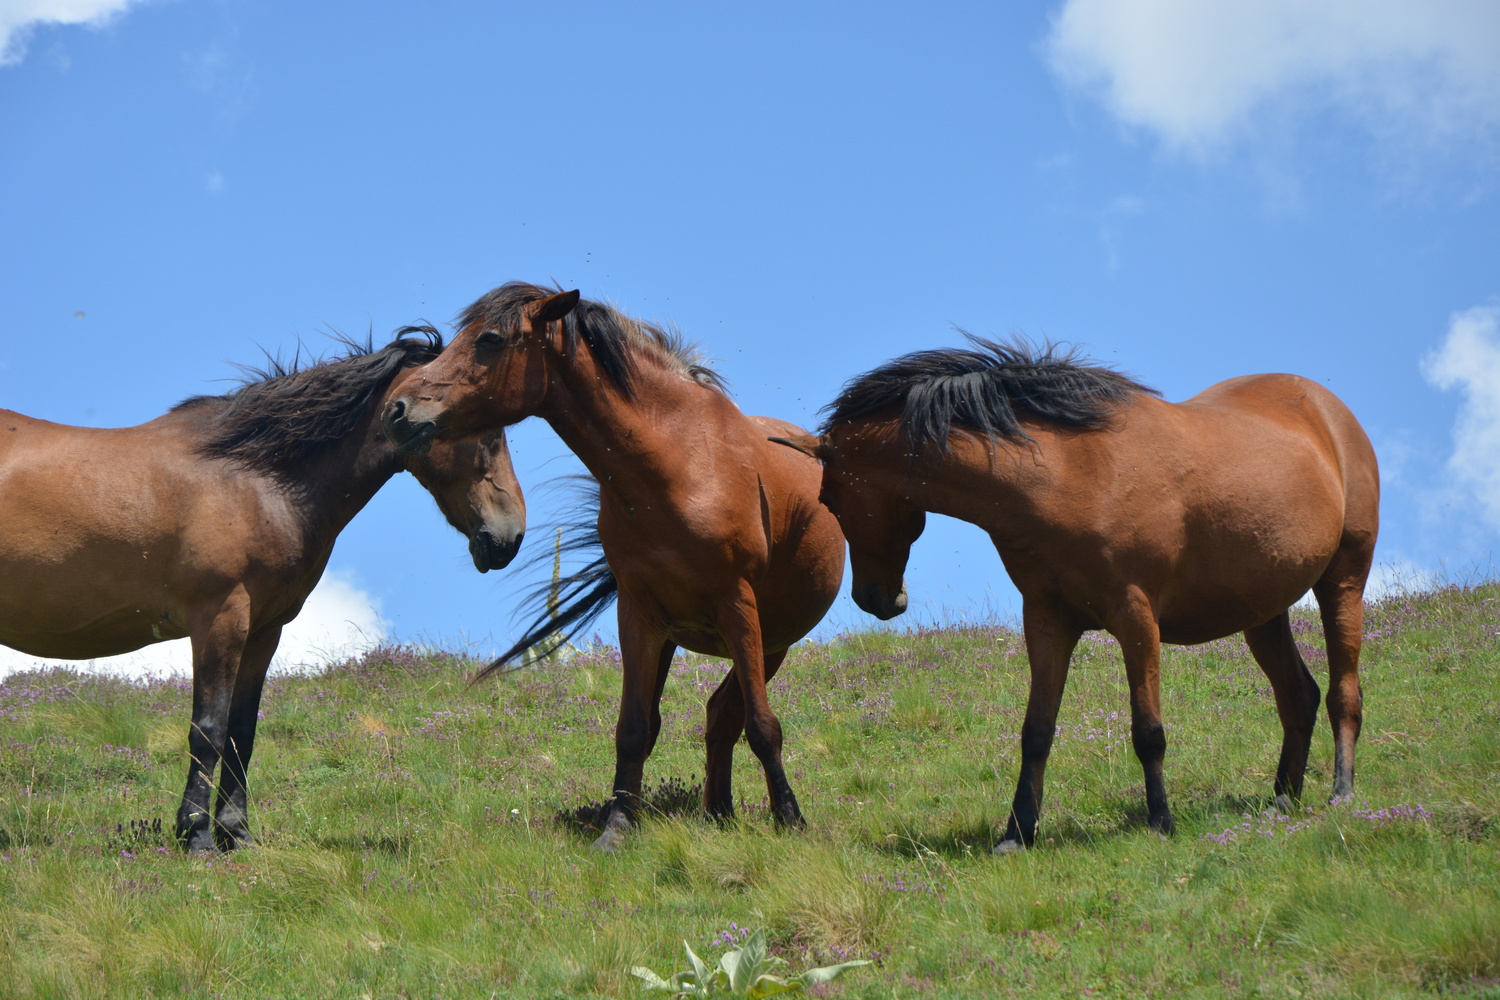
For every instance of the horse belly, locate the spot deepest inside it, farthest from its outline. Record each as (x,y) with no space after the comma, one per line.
(68,632)
(1236,580)
(71,591)
(700,640)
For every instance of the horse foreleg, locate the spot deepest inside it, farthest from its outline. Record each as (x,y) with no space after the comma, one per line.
(1340,595)
(726,721)
(663,667)
(218,639)
(1297,694)
(1049,646)
(231,810)
(645,657)
(739,624)
(1140,642)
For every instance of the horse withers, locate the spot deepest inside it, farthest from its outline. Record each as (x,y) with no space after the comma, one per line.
(214,522)
(1112,509)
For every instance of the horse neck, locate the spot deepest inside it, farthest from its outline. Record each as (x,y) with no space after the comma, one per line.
(344,479)
(624,441)
(989,484)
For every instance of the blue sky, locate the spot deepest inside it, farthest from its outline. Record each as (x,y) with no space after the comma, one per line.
(1191,191)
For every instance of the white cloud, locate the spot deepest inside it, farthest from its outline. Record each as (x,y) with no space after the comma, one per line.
(338,620)
(1199,74)
(19,17)
(1469,361)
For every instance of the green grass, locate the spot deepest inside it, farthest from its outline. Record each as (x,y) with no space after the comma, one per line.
(409,846)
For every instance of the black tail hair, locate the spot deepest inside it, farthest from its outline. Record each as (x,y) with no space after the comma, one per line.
(581,597)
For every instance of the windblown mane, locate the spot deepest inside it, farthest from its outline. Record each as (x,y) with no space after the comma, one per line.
(566,605)
(987,390)
(613,337)
(285,416)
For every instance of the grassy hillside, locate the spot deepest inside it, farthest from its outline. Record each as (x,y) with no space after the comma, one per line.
(410,846)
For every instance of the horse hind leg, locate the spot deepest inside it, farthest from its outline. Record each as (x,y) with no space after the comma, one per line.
(1340,593)
(726,721)
(1297,695)
(739,624)
(231,808)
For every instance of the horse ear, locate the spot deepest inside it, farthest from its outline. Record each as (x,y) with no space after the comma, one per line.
(811,445)
(554,307)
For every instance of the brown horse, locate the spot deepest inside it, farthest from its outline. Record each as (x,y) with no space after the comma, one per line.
(714,537)
(1114,510)
(215,522)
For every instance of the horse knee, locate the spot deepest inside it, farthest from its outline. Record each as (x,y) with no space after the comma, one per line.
(1036,739)
(1149,740)
(1311,695)
(764,736)
(1299,708)
(633,740)
(1347,707)
(722,726)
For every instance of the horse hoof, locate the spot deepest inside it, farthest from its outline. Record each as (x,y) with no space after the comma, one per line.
(608,842)
(613,836)
(1341,799)
(795,824)
(197,842)
(1283,804)
(1009,847)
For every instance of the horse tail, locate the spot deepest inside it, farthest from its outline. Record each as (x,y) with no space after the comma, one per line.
(568,604)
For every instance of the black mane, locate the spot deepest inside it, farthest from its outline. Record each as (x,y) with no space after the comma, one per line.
(567,605)
(613,337)
(987,390)
(285,416)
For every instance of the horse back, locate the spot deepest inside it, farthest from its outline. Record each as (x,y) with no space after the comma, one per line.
(1289,411)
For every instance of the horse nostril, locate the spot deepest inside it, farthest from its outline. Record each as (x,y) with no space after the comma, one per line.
(396,410)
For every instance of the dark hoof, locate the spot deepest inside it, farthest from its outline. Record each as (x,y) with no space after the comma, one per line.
(613,837)
(1009,847)
(1340,798)
(1165,826)
(1284,804)
(227,842)
(196,840)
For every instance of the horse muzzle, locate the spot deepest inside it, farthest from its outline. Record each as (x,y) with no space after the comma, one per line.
(411,437)
(876,600)
(492,551)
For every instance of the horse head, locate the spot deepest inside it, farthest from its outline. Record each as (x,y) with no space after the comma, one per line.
(475,487)
(879,524)
(491,375)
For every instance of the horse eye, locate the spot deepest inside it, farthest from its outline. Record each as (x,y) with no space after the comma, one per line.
(489,338)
